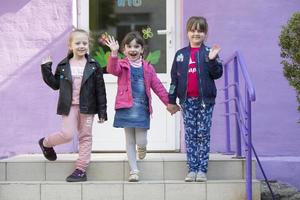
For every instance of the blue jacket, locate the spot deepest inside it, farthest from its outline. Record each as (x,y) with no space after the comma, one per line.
(207,71)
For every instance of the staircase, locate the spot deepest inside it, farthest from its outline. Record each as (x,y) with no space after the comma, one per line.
(31,177)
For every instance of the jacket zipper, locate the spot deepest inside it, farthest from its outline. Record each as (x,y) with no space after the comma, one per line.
(199,75)
(187,80)
(71,83)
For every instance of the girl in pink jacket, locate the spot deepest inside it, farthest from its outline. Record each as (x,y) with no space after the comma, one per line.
(133,101)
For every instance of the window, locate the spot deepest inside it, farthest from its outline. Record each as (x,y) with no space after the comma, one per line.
(118,17)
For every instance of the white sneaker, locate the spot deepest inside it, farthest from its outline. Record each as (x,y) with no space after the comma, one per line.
(134,176)
(201,177)
(190,177)
(142,151)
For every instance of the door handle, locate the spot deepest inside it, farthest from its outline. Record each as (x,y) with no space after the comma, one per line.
(163,32)
(166,32)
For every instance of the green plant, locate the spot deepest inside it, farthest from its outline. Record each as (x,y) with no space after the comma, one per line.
(102,57)
(290,52)
(153,57)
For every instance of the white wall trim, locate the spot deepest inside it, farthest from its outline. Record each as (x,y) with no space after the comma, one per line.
(74,13)
(83,14)
(177,42)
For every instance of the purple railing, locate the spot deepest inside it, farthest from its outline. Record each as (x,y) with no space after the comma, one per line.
(242,100)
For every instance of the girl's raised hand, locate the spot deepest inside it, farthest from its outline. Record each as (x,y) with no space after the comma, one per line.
(215,49)
(46,60)
(112,43)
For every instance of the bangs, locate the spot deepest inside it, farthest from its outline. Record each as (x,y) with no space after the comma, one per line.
(198,26)
(197,23)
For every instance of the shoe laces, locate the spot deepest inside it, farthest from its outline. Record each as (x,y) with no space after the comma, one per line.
(191,174)
(141,149)
(201,174)
(78,172)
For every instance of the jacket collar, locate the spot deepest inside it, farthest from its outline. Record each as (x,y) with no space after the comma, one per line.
(202,47)
(187,50)
(125,63)
(88,69)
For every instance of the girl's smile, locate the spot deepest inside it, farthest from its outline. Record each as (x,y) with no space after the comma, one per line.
(133,50)
(79,44)
(196,37)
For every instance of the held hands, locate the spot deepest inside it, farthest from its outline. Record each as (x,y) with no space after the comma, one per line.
(46,60)
(215,49)
(112,44)
(173,108)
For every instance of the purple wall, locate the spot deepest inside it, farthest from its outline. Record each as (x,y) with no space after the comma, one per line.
(253,28)
(30,30)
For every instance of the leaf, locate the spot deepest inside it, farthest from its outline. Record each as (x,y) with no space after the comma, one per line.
(105,58)
(100,57)
(101,51)
(153,57)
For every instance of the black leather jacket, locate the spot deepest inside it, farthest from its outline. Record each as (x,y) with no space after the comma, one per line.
(92,93)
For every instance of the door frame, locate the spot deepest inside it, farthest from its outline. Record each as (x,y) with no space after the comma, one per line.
(80,19)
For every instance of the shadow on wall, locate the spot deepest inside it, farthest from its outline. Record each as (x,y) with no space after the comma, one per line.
(50,49)
(28,105)
(12,6)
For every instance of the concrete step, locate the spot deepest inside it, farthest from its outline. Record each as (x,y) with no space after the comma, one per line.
(114,167)
(123,190)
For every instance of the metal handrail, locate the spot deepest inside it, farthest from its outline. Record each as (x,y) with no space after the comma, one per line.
(242,116)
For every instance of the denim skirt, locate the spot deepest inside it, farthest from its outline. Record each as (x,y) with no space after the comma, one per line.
(135,117)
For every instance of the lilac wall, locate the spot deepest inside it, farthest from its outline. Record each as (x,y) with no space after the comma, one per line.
(32,29)
(29,30)
(253,28)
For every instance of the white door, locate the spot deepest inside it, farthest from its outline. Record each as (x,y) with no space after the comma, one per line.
(156,21)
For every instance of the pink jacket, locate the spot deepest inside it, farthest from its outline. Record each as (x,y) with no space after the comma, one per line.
(121,69)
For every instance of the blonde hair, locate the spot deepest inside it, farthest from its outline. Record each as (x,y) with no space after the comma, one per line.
(71,38)
(197,23)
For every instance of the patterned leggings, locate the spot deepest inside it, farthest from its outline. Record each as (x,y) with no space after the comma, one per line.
(197,122)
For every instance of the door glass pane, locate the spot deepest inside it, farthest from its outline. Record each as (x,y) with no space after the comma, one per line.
(118,17)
